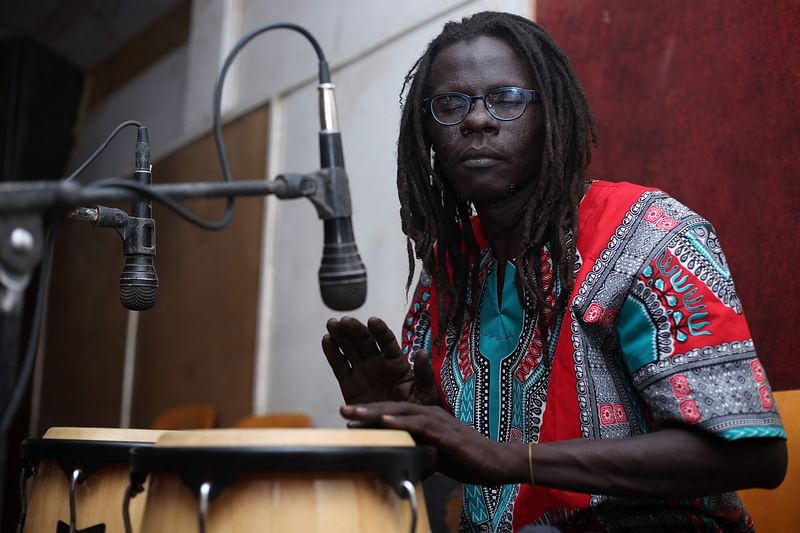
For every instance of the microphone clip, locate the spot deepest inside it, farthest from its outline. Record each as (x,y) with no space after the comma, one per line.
(138,234)
(331,196)
(327,188)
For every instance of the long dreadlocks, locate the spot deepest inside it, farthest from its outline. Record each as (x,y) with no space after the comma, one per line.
(438,222)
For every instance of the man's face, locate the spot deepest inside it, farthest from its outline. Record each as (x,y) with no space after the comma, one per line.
(485,159)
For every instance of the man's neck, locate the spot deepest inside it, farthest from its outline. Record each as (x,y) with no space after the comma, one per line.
(502,223)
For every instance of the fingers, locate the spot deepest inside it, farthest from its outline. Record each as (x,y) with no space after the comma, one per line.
(339,365)
(424,391)
(375,409)
(341,332)
(358,416)
(420,426)
(424,422)
(360,335)
(384,337)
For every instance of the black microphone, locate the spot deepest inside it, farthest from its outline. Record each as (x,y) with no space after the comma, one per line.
(342,275)
(138,283)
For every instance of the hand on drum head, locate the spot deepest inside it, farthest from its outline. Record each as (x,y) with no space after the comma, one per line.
(370,366)
(462,453)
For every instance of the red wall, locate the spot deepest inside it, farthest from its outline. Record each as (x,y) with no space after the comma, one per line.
(702,99)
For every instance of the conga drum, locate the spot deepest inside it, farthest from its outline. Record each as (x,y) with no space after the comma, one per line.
(282,480)
(80,479)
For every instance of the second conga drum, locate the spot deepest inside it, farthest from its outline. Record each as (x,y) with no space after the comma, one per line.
(282,480)
(81,475)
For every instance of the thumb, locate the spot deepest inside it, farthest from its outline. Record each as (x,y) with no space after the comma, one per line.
(425,391)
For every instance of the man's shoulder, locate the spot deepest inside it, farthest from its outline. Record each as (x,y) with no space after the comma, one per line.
(622,187)
(622,196)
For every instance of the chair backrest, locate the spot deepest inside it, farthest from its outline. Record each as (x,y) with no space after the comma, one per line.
(275,420)
(779,509)
(192,416)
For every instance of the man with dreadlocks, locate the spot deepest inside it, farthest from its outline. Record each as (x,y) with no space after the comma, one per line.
(580,357)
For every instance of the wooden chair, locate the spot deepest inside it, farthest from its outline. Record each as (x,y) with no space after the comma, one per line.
(779,509)
(275,420)
(190,416)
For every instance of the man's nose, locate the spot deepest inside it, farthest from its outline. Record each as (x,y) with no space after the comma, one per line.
(478,118)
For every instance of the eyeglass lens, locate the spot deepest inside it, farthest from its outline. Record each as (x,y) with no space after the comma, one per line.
(507,103)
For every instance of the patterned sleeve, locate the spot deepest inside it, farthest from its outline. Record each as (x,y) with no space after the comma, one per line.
(685,340)
(417,324)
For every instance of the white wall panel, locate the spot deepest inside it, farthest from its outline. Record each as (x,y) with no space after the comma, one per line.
(296,375)
(154,98)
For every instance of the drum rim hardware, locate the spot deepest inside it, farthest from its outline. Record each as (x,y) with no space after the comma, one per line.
(78,459)
(207,471)
(88,455)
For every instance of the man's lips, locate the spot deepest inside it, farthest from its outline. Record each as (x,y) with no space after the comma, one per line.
(481,157)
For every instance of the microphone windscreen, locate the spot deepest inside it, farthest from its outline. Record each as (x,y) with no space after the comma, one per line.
(342,275)
(138,283)
(343,279)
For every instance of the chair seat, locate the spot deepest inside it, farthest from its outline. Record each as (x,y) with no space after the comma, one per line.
(275,420)
(190,416)
(779,509)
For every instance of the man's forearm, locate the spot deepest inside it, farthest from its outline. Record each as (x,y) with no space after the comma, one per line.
(672,463)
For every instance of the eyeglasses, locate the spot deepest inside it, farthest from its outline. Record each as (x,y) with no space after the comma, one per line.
(503,103)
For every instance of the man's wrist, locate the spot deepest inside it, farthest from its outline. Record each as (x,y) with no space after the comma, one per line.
(512,463)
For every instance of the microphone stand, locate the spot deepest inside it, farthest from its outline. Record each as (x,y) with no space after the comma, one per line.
(23,206)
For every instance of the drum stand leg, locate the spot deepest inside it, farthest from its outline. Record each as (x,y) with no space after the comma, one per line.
(202,505)
(130,492)
(73,483)
(23,498)
(407,490)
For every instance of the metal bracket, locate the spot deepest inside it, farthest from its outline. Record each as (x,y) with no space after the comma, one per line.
(21,245)
(326,188)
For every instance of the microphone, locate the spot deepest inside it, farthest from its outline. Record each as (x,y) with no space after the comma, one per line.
(342,275)
(138,282)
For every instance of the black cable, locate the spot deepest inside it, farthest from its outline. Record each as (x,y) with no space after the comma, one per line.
(324,77)
(35,334)
(102,147)
(151,193)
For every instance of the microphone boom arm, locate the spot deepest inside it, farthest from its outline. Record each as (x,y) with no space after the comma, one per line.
(22,197)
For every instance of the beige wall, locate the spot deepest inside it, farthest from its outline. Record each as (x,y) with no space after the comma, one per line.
(197,344)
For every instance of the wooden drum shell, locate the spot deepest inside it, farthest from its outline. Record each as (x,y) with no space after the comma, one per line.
(284,501)
(98,499)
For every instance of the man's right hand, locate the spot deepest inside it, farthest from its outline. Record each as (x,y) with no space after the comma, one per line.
(370,366)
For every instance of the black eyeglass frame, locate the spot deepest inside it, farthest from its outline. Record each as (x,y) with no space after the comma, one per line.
(530,96)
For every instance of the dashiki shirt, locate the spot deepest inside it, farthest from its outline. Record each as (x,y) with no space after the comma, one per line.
(654,336)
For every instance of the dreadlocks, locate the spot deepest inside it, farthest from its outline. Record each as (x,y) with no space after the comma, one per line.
(437,222)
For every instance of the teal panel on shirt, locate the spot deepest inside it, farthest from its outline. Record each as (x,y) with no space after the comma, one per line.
(500,331)
(500,328)
(465,402)
(637,335)
(748,432)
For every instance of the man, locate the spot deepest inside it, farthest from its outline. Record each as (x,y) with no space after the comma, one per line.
(580,357)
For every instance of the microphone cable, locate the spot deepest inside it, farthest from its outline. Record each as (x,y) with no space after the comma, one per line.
(324,77)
